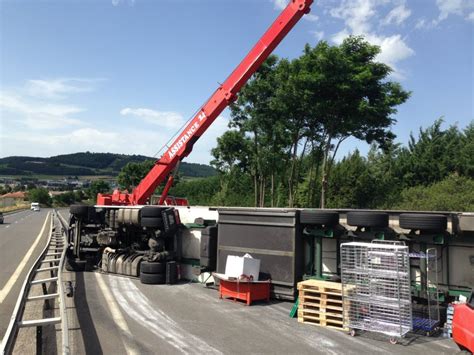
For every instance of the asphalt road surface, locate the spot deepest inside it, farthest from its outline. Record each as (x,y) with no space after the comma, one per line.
(23,236)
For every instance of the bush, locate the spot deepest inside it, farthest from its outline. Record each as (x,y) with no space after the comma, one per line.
(39,195)
(455,193)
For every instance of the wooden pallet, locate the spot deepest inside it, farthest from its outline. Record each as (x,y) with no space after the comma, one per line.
(320,303)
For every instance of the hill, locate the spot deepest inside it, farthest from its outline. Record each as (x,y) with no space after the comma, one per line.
(87,163)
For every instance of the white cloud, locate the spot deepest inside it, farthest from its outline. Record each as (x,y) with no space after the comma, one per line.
(340,36)
(462,8)
(393,50)
(319,35)
(449,7)
(280,4)
(311,17)
(59,88)
(356,14)
(96,139)
(118,2)
(359,17)
(79,140)
(397,15)
(38,115)
(421,23)
(167,119)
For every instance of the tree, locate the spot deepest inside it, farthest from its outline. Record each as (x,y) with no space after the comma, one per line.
(98,186)
(348,94)
(352,184)
(466,153)
(79,195)
(199,191)
(257,119)
(132,173)
(65,199)
(436,154)
(39,195)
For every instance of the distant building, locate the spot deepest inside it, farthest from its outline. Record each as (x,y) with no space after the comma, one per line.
(56,193)
(12,198)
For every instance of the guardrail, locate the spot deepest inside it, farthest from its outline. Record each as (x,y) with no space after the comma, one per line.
(53,253)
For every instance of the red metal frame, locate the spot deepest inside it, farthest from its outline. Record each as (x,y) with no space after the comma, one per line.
(463,325)
(221,98)
(245,291)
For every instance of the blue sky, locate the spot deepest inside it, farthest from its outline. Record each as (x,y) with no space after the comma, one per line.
(122,76)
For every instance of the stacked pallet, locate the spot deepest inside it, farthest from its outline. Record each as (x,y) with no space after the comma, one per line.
(320,303)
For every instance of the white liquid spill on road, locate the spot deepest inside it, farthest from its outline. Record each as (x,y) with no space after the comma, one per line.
(127,337)
(137,306)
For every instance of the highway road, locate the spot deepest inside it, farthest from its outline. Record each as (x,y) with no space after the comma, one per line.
(119,315)
(23,235)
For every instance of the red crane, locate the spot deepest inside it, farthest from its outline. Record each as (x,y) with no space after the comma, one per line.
(221,98)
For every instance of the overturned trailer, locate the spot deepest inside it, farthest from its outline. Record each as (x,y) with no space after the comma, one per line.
(292,244)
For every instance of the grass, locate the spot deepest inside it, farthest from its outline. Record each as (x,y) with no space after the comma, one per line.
(14,208)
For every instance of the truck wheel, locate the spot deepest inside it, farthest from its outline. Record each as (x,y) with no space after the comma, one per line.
(429,222)
(367,219)
(152,267)
(152,222)
(149,211)
(327,218)
(79,210)
(152,279)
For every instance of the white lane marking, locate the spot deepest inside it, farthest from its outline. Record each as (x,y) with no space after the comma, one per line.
(8,286)
(137,305)
(127,337)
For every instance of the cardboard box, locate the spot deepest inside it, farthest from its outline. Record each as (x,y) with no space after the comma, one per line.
(237,266)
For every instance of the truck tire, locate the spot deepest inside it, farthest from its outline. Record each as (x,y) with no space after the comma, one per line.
(367,219)
(152,267)
(318,217)
(155,222)
(152,279)
(428,222)
(79,210)
(149,211)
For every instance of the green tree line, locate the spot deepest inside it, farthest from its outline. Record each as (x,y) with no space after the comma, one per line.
(292,116)
(434,171)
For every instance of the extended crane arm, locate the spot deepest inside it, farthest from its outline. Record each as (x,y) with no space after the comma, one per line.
(221,98)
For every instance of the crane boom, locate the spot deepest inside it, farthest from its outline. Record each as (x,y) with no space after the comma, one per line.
(222,97)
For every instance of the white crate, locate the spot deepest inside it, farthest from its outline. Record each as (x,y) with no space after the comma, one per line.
(237,266)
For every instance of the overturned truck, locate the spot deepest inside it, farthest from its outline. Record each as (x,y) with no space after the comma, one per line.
(137,241)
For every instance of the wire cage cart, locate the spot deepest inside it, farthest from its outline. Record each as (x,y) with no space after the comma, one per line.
(426,317)
(376,288)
